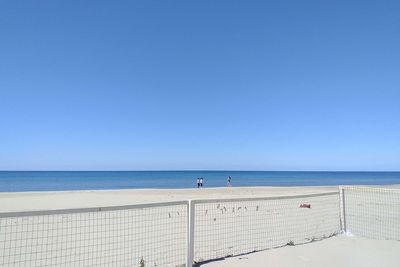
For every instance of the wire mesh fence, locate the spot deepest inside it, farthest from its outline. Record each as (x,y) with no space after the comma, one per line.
(237,226)
(176,233)
(139,235)
(372,212)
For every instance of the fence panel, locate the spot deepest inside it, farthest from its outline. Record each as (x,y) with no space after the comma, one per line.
(372,212)
(137,235)
(237,226)
(158,234)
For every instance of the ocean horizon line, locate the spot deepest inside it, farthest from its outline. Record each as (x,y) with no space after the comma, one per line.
(198,170)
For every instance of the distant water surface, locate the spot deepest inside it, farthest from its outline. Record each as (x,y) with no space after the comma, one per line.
(14,181)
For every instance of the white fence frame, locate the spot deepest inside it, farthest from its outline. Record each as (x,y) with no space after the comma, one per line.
(33,213)
(390,206)
(191,207)
(193,203)
(85,210)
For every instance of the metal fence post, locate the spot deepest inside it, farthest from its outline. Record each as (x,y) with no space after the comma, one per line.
(190,234)
(343,211)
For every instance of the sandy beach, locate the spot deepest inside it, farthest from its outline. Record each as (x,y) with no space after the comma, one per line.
(340,251)
(24,201)
(158,234)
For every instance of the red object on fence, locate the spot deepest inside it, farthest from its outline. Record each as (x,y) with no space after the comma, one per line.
(308,206)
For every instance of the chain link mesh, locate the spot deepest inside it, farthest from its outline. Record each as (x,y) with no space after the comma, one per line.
(234,227)
(372,212)
(153,236)
(157,234)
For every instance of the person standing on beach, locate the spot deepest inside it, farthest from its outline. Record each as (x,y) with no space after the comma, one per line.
(229,181)
(201,182)
(198,182)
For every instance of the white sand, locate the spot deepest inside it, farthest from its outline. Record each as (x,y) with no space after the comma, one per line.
(332,252)
(155,240)
(100,198)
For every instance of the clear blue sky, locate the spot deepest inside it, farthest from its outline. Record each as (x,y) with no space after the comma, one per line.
(254,85)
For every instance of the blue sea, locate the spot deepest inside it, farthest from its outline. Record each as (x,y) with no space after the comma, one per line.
(15,181)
